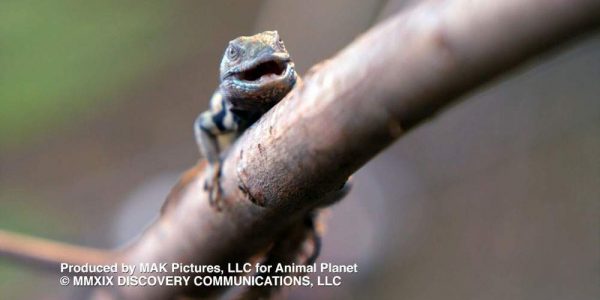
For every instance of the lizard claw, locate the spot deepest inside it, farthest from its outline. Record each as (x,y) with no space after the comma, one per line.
(213,186)
(316,241)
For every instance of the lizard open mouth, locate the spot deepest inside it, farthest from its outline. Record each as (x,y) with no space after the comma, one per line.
(271,69)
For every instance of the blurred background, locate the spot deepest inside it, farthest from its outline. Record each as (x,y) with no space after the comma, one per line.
(497,198)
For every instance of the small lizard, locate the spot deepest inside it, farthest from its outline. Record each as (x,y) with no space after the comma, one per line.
(256,73)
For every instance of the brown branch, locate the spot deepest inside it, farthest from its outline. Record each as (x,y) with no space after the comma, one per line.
(349,108)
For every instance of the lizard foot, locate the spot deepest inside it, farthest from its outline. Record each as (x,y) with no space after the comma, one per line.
(213,187)
(315,237)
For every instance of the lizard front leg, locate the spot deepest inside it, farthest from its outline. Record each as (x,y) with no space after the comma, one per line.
(206,137)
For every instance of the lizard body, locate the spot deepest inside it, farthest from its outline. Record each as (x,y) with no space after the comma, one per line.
(256,72)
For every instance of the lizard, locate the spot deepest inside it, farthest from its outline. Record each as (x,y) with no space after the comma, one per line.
(256,72)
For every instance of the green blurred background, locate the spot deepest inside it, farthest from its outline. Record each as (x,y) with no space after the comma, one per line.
(496,199)
(71,54)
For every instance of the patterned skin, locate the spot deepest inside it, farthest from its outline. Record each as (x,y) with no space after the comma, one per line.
(256,73)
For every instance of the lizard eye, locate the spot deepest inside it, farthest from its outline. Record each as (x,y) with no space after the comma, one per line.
(280,44)
(233,53)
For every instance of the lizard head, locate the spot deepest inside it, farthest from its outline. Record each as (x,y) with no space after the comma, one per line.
(256,71)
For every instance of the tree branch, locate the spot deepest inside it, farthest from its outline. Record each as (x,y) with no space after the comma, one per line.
(351,107)
(348,109)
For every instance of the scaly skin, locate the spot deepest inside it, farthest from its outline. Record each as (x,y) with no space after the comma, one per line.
(256,73)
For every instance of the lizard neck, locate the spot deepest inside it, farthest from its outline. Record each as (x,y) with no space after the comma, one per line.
(245,118)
